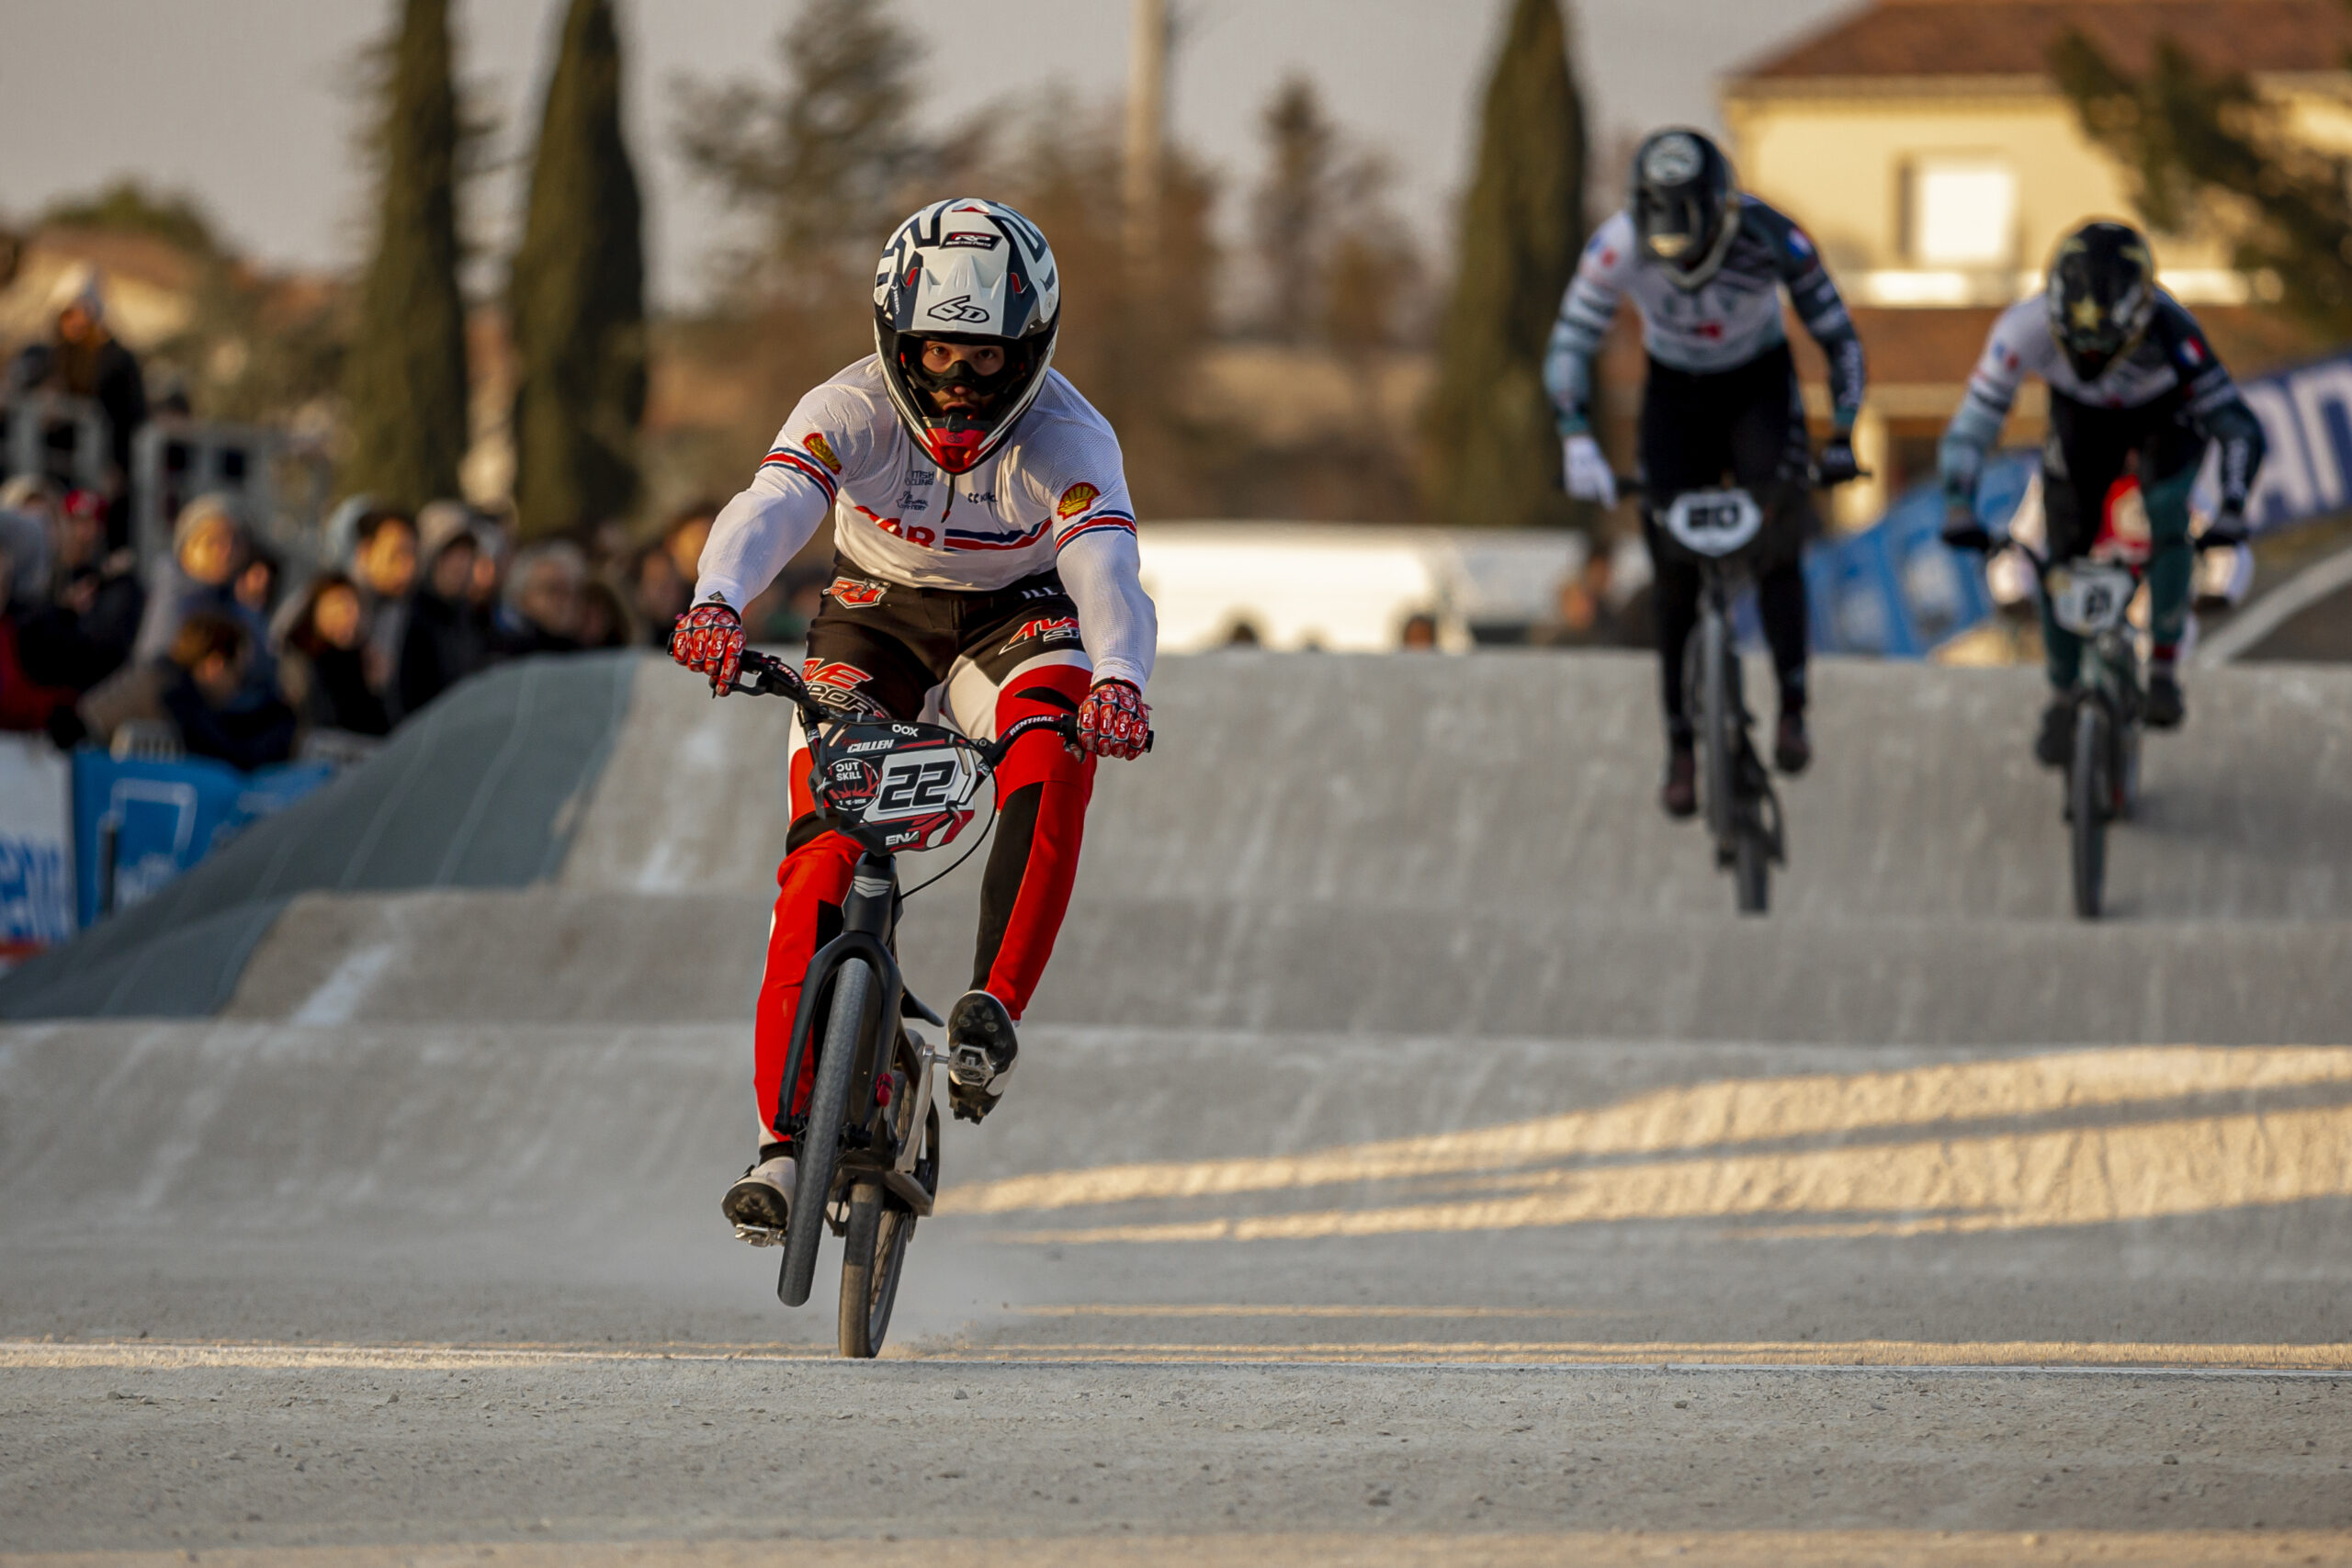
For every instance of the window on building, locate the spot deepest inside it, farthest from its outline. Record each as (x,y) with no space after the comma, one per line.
(1961,212)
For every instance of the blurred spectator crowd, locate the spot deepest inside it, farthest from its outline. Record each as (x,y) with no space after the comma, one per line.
(219,650)
(222,647)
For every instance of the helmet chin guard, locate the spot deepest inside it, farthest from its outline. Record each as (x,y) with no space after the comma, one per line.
(1685,204)
(2101,295)
(966,271)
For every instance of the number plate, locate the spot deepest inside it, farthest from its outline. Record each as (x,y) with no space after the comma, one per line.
(1715,522)
(922,783)
(895,786)
(2091,597)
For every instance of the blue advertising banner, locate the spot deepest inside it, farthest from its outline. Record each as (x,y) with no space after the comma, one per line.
(139,824)
(2306,417)
(1893,591)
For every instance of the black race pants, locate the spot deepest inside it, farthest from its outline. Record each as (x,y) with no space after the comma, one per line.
(1746,423)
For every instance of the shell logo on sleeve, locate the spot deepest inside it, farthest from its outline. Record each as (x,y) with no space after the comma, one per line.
(1076,499)
(822,451)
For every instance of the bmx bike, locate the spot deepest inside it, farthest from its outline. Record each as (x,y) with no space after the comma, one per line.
(1722,530)
(2092,599)
(867,1145)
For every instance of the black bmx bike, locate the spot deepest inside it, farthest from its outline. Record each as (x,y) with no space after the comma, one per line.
(867,1145)
(1722,530)
(2092,598)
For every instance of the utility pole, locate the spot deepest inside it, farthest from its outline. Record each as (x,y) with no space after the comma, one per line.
(1147,127)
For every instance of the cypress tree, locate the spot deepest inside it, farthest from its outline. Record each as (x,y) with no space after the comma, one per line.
(405,380)
(577,297)
(1495,455)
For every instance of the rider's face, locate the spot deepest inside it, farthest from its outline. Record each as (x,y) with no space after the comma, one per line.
(985,360)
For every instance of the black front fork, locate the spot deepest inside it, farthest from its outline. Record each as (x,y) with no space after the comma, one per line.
(869,918)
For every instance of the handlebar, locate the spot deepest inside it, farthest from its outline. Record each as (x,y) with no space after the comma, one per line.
(1632,485)
(2042,565)
(764,676)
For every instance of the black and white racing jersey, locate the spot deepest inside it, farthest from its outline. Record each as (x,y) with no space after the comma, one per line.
(2172,364)
(1721,324)
(1053,497)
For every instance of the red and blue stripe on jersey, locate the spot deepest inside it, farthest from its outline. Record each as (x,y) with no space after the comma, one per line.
(803,462)
(1107,520)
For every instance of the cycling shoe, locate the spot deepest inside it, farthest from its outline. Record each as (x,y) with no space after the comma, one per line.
(980,1053)
(1679,794)
(760,1203)
(2163,709)
(1791,747)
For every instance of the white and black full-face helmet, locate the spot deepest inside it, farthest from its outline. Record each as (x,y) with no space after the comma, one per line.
(967,271)
(1686,207)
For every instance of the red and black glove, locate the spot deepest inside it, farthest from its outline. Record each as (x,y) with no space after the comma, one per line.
(708,638)
(1113,720)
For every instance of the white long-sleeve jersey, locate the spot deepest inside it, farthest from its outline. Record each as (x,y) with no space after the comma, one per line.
(1054,497)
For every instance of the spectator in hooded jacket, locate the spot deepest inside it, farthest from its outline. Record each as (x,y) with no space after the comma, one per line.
(82,359)
(321,664)
(541,612)
(208,549)
(449,634)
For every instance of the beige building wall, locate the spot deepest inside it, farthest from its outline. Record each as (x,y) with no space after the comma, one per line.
(1842,158)
(1840,162)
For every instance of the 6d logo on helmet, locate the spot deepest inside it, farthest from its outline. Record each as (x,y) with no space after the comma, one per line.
(960,309)
(1671,161)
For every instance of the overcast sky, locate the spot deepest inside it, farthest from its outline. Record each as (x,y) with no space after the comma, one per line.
(248,103)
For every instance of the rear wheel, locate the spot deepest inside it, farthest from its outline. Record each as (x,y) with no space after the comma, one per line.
(873,1251)
(1752,869)
(2089,798)
(820,1137)
(1718,746)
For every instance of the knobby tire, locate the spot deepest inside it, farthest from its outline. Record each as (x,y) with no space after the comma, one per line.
(2088,800)
(819,1144)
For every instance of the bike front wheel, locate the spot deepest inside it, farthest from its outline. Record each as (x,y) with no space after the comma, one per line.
(819,1144)
(2088,800)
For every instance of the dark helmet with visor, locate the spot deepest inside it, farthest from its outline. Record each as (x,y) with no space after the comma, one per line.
(966,271)
(1686,210)
(2101,295)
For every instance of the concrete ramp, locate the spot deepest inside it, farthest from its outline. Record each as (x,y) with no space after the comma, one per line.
(483,790)
(1375,844)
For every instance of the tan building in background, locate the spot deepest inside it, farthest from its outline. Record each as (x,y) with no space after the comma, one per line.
(1926,148)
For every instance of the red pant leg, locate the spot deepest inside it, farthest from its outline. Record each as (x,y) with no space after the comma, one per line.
(812,878)
(1028,884)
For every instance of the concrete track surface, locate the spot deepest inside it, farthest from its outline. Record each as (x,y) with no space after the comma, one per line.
(1411,1160)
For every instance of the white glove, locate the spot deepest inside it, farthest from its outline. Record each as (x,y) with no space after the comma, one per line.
(1586,470)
